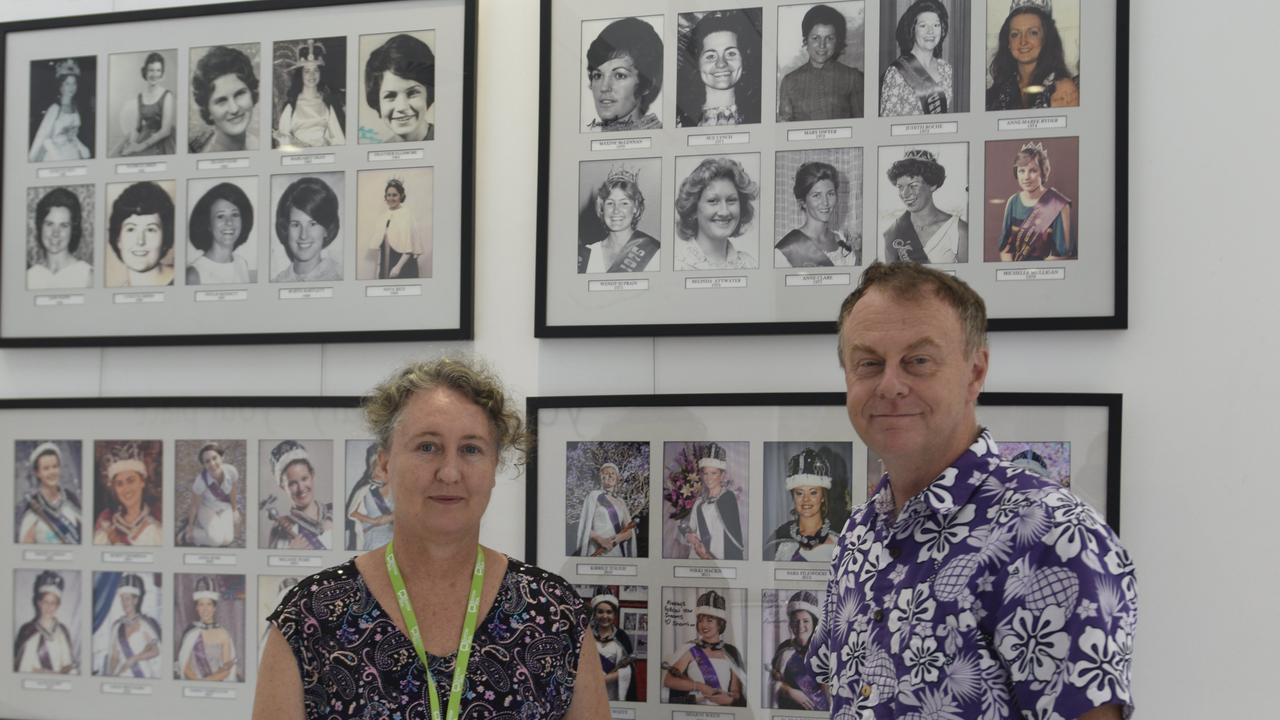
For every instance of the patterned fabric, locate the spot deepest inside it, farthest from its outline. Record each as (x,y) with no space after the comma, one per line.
(355,663)
(831,92)
(898,99)
(994,594)
(690,257)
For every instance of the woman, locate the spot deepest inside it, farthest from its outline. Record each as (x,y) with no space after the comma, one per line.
(308,118)
(441,428)
(400,238)
(149,119)
(1037,218)
(59,229)
(220,222)
(715,528)
(1029,69)
(214,511)
(624,73)
(815,244)
(307,221)
(224,87)
(719,78)
(613,644)
(400,85)
(713,206)
(140,232)
(58,136)
(823,88)
(370,507)
(605,525)
(925,233)
(51,514)
(794,687)
(619,205)
(133,511)
(919,82)
(807,537)
(207,652)
(135,636)
(43,644)
(710,671)
(309,524)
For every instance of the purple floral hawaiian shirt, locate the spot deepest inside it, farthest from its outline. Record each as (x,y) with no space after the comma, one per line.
(994,594)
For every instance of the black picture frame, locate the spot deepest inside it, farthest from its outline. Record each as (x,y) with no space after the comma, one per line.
(564,303)
(356,308)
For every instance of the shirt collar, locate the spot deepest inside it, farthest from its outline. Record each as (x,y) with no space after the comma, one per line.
(952,488)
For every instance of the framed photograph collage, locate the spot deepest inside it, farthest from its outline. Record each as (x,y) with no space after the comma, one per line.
(248,172)
(709,521)
(729,168)
(147,560)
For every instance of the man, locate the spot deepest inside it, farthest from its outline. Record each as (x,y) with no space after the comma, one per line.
(823,88)
(966,587)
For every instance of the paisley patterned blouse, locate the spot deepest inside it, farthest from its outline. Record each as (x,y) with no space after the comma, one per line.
(355,663)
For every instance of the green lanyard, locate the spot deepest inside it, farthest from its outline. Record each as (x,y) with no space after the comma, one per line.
(415,634)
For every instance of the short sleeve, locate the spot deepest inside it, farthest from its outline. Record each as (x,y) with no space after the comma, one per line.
(287,616)
(1065,628)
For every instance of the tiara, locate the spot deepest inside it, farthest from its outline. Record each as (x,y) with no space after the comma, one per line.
(621,172)
(66,67)
(307,52)
(1033,146)
(920,154)
(1045,5)
(125,456)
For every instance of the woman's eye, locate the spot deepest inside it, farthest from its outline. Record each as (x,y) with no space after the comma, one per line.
(389,96)
(427,447)
(594,76)
(472,449)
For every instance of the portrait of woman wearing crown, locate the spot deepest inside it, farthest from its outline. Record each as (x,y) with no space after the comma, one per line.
(707,668)
(614,208)
(48,642)
(207,648)
(1033,53)
(300,474)
(713,476)
(126,634)
(128,502)
(394,223)
(806,499)
(62,109)
(933,228)
(309,101)
(1037,223)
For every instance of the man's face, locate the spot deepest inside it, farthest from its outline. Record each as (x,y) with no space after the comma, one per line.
(911,386)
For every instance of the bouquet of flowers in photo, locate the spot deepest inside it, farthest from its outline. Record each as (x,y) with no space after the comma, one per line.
(683,484)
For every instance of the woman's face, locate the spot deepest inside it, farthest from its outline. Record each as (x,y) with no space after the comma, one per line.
(618,211)
(441,463)
(128,486)
(67,89)
(719,210)
(1029,176)
(206,610)
(154,72)
(310,76)
(712,480)
(230,105)
(807,501)
(604,616)
(48,470)
(721,61)
(141,237)
(914,192)
(708,628)
(1026,36)
(928,31)
(802,626)
(820,201)
(49,604)
(820,43)
(55,230)
(212,462)
(300,483)
(129,603)
(224,223)
(402,105)
(393,197)
(615,86)
(306,236)
(608,477)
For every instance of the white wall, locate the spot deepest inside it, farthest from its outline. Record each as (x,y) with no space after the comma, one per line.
(1199,368)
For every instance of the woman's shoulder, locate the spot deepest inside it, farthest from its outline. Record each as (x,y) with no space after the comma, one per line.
(318,592)
(536,583)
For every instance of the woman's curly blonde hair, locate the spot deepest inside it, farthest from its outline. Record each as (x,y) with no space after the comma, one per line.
(468,376)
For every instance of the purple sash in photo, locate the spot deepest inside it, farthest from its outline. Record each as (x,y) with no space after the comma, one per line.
(798,674)
(67,533)
(42,652)
(198,655)
(931,95)
(305,532)
(614,520)
(380,501)
(215,488)
(122,637)
(704,665)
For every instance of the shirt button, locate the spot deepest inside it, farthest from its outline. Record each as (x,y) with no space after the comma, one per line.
(878,615)
(866,692)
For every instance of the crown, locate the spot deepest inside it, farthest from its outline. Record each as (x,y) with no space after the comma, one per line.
(920,154)
(306,53)
(49,581)
(285,454)
(206,589)
(125,456)
(1044,5)
(622,172)
(808,469)
(66,67)
(713,455)
(1033,146)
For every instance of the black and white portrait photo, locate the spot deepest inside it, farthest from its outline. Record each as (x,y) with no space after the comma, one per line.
(63,102)
(607,499)
(395,211)
(208,627)
(60,232)
(46,621)
(788,619)
(622,64)
(369,506)
(821,56)
(222,230)
(618,618)
(140,234)
(222,115)
(47,492)
(806,499)
(619,230)
(399,87)
(128,497)
(1033,54)
(704,646)
(817,200)
(142,104)
(307,227)
(718,68)
(704,489)
(924,203)
(309,93)
(295,494)
(924,53)
(209,498)
(127,636)
(716,204)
